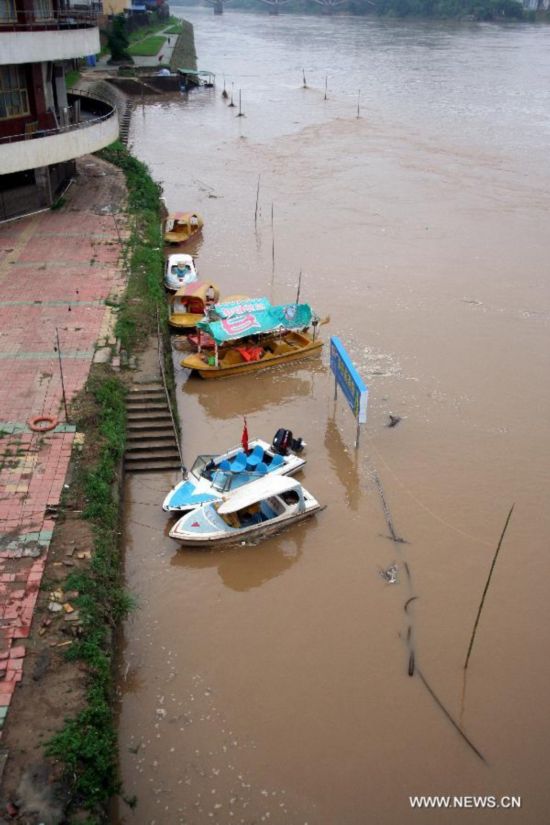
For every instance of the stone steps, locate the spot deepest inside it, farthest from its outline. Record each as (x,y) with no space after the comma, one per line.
(151,442)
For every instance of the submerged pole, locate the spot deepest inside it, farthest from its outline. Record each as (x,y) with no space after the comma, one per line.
(359,103)
(241,113)
(326,86)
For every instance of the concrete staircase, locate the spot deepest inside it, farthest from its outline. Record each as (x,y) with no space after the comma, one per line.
(125,123)
(151,442)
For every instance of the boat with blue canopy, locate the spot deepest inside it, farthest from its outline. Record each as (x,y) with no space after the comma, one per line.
(214,476)
(252,335)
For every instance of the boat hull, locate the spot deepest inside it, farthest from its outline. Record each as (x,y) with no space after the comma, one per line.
(185,320)
(173,502)
(197,362)
(253,533)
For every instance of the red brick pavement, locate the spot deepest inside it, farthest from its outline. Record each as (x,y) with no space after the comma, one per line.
(56,270)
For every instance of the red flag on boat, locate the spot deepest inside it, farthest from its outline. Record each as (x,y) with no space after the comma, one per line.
(244,437)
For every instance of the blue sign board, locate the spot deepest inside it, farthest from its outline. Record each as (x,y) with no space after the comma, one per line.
(349,380)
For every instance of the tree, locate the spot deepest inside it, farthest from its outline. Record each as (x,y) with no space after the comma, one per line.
(117,41)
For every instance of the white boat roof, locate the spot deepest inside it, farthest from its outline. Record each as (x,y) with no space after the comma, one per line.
(258,491)
(180,258)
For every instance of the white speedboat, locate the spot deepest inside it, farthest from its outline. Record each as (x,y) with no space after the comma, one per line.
(253,512)
(180,270)
(213,476)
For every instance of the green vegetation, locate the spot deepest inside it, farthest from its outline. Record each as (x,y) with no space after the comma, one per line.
(487,10)
(174,29)
(184,54)
(148,47)
(461,9)
(145,293)
(87,744)
(58,204)
(117,40)
(72,78)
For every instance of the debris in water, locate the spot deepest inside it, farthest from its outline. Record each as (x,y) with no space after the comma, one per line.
(394,420)
(390,574)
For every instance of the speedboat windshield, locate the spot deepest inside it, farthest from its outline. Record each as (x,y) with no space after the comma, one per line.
(221,481)
(199,468)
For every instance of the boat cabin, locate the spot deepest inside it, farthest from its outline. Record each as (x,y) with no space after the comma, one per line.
(254,504)
(180,226)
(189,304)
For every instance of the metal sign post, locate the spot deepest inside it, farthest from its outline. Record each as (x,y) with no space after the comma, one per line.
(350,382)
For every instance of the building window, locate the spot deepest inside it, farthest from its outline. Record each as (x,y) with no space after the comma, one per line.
(42,9)
(14,101)
(7,11)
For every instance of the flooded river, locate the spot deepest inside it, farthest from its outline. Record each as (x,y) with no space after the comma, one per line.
(270,683)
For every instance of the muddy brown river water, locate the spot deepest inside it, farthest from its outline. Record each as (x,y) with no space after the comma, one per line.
(270,683)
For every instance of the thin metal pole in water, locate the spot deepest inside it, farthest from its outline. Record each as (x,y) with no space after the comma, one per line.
(326,87)
(273,242)
(257,202)
(299,287)
(61,374)
(231,103)
(359,103)
(487,587)
(241,113)
(304,84)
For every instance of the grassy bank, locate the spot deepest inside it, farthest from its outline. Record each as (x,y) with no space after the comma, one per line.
(87,744)
(143,250)
(148,47)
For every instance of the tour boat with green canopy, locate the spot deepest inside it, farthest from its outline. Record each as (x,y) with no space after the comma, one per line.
(250,335)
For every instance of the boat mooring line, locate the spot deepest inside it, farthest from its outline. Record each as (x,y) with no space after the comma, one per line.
(409,640)
(387,514)
(424,506)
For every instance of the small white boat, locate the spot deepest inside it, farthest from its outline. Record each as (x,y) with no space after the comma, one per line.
(213,477)
(180,270)
(253,512)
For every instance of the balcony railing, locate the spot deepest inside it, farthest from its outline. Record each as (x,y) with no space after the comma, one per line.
(81,116)
(25,20)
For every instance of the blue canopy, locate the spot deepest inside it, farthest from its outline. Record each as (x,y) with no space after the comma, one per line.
(254,322)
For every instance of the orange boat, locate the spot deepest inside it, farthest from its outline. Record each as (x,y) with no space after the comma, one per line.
(188,305)
(180,226)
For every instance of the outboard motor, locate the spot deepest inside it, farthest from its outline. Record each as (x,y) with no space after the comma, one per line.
(284,443)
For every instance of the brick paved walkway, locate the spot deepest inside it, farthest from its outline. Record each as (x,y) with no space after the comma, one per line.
(56,270)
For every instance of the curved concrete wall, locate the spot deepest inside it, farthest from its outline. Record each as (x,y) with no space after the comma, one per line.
(30,154)
(38,46)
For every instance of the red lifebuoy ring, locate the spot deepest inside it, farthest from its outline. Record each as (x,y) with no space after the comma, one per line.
(50,422)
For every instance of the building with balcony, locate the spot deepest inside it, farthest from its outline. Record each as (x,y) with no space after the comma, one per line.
(43,127)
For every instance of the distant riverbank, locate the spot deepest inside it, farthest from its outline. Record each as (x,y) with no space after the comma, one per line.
(467,10)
